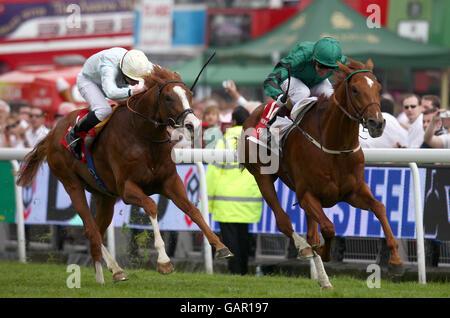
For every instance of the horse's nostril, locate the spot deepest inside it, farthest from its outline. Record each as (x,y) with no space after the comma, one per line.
(371,123)
(189,126)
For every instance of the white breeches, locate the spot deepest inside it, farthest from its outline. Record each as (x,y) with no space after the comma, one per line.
(93,94)
(299,91)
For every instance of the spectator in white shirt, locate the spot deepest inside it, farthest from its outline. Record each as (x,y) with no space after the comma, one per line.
(430,102)
(441,141)
(413,110)
(438,128)
(37,130)
(394,135)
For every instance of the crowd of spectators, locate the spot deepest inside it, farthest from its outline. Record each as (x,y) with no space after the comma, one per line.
(25,125)
(419,123)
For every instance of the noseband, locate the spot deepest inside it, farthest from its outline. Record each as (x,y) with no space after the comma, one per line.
(176,122)
(358,113)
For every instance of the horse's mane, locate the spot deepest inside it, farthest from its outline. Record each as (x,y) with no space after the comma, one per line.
(159,76)
(340,76)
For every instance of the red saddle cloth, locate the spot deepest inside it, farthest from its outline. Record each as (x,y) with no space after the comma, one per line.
(268,113)
(91,133)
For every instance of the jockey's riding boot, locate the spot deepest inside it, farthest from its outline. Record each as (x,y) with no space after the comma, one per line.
(73,139)
(281,112)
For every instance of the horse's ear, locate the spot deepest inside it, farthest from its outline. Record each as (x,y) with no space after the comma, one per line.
(369,64)
(344,68)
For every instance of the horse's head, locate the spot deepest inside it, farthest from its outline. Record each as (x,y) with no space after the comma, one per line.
(362,91)
(173,99)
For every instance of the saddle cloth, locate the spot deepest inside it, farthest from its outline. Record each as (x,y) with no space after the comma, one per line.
(282,124)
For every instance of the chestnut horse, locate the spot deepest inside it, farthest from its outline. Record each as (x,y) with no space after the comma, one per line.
(321,161)
(132,157)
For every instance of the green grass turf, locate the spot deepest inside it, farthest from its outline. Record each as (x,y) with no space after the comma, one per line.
(35,280)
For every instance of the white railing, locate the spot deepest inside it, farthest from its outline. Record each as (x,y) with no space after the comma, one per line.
(385,155)
(12,155)
(199,156)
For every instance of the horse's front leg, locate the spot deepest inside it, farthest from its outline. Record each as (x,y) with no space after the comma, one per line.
(173,188)
(315,214)
(313,237)
(364,200)
(283,221)
(133,194)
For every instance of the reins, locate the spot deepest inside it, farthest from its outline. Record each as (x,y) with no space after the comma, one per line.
(358,113)
(358,118)
(174,123)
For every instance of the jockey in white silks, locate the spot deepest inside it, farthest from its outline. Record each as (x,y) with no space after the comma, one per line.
(114,74)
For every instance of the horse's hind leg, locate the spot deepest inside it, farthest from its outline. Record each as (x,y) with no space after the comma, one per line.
(175,191)
(76,192)
(133,194)
(364,200)
(104,213)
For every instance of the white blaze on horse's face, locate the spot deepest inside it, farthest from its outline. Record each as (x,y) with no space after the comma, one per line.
(190,118)
(369,81)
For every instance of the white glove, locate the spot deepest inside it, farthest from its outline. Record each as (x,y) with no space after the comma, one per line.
(279,102)
(138,88)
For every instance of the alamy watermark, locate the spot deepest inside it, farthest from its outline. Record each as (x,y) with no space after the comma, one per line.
(73,21)
(374,19)
(74,279)
(374,279)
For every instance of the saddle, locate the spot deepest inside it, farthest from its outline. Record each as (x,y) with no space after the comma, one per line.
(283,124)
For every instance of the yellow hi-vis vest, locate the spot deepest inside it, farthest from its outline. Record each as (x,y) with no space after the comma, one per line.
(233,194)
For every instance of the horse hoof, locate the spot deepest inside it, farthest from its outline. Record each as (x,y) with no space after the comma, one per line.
(396,270)
(164,268)
(120,277)
(306,253)
(224,253)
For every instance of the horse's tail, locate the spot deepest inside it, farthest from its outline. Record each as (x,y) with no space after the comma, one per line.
(32,162)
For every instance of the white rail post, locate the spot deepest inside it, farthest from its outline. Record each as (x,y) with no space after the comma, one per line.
(19,215)
(205,213)
(419,224)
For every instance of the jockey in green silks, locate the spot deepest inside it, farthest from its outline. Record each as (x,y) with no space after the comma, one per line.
(311,64)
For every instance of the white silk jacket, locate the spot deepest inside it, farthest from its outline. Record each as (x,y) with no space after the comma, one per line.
(103,68)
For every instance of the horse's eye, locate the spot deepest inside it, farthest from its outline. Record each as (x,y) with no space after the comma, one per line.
(354,90)
(168,99)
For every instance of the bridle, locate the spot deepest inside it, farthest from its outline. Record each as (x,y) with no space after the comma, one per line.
(358,117)
(174,121)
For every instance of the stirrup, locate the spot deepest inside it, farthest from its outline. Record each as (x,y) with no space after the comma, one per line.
(266,136)
(73,144)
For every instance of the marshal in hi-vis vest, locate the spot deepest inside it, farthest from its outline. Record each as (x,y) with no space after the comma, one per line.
(233,195)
